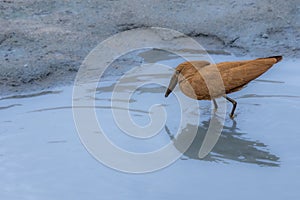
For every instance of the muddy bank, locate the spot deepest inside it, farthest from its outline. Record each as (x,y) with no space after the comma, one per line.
(43,42)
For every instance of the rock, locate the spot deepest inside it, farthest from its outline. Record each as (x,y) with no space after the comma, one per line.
(265,35)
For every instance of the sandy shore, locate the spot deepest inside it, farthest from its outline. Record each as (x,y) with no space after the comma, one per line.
(43,42)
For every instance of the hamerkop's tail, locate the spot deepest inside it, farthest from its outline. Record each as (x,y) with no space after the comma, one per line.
(278,58)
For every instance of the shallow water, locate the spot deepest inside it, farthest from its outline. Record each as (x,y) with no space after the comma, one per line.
(256,156)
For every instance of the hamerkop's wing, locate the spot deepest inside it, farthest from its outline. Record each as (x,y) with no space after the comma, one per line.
(237,74)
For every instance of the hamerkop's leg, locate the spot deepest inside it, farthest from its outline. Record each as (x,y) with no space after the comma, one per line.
(234,103)
(215,104)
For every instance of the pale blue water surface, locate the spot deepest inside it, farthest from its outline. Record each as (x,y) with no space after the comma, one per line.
(256,157)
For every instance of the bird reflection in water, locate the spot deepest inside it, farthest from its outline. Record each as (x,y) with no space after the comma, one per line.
(231,146)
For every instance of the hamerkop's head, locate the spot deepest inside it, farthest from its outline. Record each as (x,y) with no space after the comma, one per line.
(185,70)
(174,79)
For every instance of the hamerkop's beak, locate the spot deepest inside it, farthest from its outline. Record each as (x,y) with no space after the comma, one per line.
(172,84)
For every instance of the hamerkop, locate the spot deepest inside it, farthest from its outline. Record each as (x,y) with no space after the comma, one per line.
(235,76)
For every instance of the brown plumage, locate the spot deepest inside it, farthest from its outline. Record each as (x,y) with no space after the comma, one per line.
(200,79)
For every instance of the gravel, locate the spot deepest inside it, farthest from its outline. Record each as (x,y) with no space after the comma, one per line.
(43,42)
